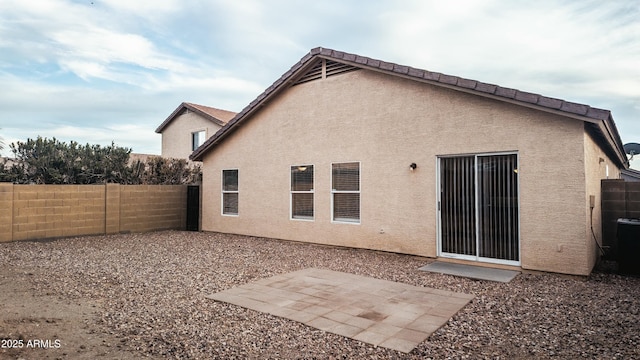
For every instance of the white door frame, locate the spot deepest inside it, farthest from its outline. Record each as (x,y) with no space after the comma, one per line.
(440,252)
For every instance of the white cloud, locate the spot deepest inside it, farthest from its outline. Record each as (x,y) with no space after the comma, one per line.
(585,51)
(97,52)
(103,45)
(515,44)
(128,136)
(85,69)
(121,62)
(142,8)
(83,39)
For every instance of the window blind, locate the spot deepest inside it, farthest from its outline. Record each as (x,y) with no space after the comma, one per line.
(230,180)
(345,184)
(230,193)
(302,192)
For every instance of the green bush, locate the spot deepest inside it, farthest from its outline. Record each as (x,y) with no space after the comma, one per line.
(49,161)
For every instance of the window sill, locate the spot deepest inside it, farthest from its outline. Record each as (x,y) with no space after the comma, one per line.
(346,221)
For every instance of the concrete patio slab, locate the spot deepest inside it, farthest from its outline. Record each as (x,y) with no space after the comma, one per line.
(470,271)
(379,312)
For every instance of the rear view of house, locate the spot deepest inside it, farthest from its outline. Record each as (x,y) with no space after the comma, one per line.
(352,151)
(188,126)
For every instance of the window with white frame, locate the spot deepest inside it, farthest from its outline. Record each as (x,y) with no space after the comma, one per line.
(302,192)
(345,192)
(197,139)
(230,192)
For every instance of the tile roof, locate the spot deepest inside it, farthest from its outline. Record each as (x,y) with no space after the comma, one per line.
(217,116)
(558,106)
(631,174)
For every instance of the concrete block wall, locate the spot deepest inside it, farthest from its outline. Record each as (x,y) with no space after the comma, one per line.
(50,211)
(57,210)
(149,207)
(112,208)
(620,199)
(6,212)
(633,199)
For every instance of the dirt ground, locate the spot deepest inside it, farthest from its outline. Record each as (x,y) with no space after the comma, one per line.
(131,296)
(41,326)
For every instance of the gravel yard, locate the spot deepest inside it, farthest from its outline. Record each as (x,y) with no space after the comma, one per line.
(142,295)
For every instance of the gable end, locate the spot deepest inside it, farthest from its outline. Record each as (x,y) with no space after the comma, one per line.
(321,62)
(324,68)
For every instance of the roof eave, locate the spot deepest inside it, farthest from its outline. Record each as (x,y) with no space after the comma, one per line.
(616,143)
(278,86)
(534,101)
(551,105)
(170,118)
(188,106)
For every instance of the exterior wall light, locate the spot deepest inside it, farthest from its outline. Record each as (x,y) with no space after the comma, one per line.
(413,166)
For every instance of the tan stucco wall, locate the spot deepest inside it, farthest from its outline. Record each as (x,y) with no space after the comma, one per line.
(595,171)
(386,123)
(176,137)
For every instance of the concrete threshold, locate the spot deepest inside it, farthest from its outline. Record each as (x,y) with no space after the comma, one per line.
(470,271)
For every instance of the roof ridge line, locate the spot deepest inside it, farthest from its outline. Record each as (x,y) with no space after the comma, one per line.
(470,84)
(518,97)
(194,107)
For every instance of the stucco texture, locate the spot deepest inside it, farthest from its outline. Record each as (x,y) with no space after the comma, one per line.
(176,137)
(598,165)
(386,123)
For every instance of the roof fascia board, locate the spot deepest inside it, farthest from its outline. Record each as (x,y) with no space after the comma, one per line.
(618,149)
(287,79)
(614,136)
(307,61)
(170,118)
(565,114)
(468,91)
(204,114)
(188,106)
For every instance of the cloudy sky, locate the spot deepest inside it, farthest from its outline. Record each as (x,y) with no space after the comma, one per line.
(98,71)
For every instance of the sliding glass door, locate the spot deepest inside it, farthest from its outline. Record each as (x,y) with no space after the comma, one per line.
(457,205)
(479,208)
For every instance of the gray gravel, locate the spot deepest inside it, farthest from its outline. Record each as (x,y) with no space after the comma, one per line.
(151,289)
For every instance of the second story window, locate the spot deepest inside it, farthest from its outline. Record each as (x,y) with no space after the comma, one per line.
(197,139)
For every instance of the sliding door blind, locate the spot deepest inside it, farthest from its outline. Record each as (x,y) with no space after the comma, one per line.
(479,206)
(458,205)
(498,207)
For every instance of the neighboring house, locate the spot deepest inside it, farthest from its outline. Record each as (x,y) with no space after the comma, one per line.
(351,151)
(133,157)
(7,160)
(188,127)
(630,175)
